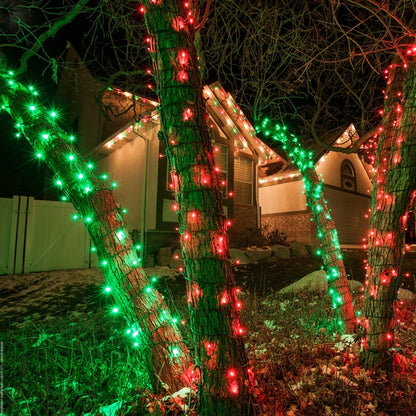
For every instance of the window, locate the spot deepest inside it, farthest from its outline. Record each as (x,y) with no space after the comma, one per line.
(348,178)
(221,162)
(243,181)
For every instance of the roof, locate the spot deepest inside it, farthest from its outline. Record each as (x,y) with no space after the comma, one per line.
(276,170)
(220,106)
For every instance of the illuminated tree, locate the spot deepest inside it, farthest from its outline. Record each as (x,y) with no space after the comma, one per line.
(153,330)
(212,297)
(317,66)
(327,233)
(393,192)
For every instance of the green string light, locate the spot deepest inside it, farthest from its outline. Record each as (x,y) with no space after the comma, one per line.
(313,186)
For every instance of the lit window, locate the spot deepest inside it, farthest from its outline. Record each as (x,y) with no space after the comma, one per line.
(348,178)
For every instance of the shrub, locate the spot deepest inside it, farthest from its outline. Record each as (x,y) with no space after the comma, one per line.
(246,238)
(274,236)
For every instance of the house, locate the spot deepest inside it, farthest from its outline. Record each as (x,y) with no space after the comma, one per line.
(347,188)
(127,148)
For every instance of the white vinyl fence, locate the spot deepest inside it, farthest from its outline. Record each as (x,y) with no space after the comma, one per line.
(41,236)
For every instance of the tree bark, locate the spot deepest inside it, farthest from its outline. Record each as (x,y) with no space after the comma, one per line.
(154,332)
(393,186)
(214,307)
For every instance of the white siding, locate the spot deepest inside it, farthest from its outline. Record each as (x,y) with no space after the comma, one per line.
(125,166)
(284,197)
(330,169)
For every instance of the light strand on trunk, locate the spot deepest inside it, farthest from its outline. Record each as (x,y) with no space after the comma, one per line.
(330,249)
(214,307)
(153,330)
(393,187)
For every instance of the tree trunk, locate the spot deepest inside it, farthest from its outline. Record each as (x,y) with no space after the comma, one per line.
(327,233)
(154,332)
(393,186)
(339,289)
(212,298)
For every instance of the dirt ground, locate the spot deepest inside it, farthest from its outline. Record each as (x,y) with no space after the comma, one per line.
(45,295)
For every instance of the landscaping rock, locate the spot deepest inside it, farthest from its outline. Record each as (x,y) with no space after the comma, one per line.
(176,260)
(150,261)
(312,248)
(163,256)
(406,295)
(258,254)
(237,254)
(355,285)
(312,282)
(298,249)
(281,252)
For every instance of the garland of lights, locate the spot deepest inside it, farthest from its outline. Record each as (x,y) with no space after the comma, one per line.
(154,332)
(212,297)
(393,190)
(327,233)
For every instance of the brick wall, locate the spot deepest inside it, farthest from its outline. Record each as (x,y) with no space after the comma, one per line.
(297,226)
(244,217)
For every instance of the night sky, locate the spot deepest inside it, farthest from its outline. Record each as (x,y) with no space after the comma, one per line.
(21,172)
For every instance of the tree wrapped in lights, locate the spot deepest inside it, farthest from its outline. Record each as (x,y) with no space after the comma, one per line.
(153,330)
(327,233)
(212,297)
(393,191)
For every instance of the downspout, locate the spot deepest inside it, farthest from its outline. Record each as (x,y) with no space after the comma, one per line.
(144,195)
(144,198)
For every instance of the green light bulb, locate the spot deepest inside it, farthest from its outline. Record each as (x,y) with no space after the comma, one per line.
(108,289)
(115,310)
(176,352)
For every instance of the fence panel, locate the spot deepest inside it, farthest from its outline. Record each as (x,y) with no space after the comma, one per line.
(54,240)
(41,236)
(6,213)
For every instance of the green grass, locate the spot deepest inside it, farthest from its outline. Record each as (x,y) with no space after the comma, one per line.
(69,366)
(82,364)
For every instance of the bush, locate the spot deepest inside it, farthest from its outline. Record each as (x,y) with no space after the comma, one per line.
(246,238)
(274,236)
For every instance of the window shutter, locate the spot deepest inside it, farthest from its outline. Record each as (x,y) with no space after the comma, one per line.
(243,181)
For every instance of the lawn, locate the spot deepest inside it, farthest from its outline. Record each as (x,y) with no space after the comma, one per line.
(64,353)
